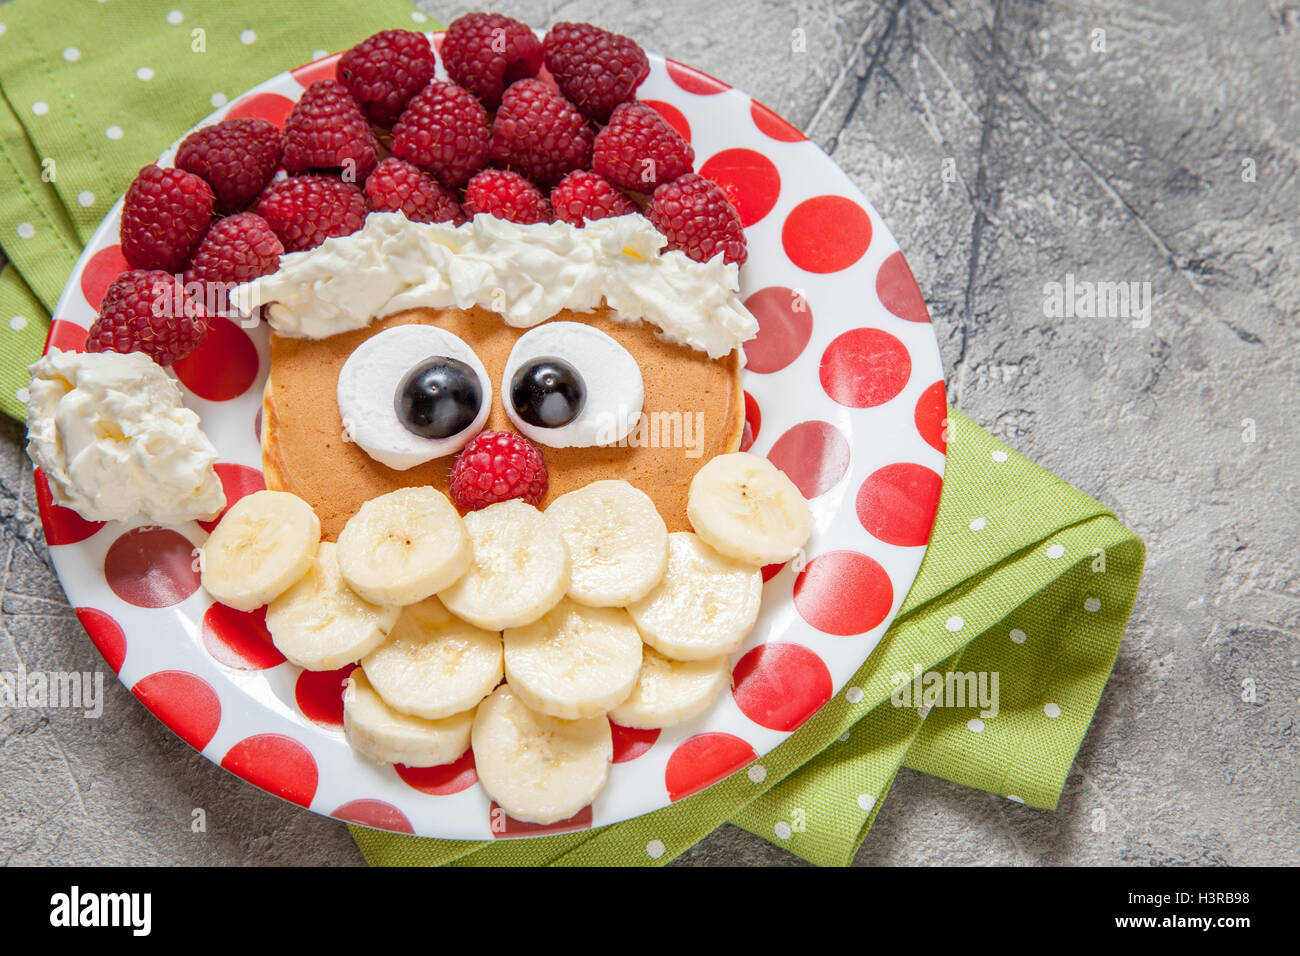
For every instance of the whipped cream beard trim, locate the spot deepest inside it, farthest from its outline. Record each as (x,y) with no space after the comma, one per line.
(115,442)
(525,273)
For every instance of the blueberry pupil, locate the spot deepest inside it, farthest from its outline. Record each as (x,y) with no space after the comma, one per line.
(547,392)
(438,398)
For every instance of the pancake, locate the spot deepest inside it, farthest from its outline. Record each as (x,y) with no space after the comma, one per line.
(304,452)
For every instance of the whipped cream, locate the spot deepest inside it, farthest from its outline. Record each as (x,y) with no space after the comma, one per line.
(525,273)
(114,441)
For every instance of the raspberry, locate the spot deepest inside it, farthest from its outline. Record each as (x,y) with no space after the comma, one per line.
(697,218)
(486,52)
(638,150)
(497,466)
(326,130)
(164,215)
(398,186)
(445,132)
(384,71)
(304,211)
(237,157)
(506,195)
(146,310)
(538,133)
(581,197)
(236,249)
(594,68)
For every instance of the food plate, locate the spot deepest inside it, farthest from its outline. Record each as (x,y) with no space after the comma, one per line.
(843,390)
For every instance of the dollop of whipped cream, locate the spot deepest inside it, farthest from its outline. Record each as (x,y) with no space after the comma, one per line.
(525,273)
(115,442)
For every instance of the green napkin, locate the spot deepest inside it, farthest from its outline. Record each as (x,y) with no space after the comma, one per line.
(1025,577)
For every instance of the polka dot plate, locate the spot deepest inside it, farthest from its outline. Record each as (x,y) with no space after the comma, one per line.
(843,390)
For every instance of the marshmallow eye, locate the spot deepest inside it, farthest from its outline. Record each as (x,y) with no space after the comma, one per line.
(569,385)
(413,393)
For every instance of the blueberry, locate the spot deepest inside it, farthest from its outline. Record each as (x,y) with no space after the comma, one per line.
(547,392)
(438,398)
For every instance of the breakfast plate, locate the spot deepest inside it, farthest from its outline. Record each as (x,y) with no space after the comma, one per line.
(843,391)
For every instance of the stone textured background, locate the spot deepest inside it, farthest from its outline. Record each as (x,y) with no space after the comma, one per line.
(1128,164)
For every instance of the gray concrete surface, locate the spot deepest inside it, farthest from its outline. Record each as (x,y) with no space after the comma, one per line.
(1162,150)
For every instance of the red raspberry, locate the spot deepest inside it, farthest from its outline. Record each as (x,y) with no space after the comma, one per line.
(304,211)
(581,197)
(697,218)
(444,131)
(538,133)
(506,195)
(497,466)
(326,130)
(638,150)
(146,310)
(165,214)
(384,71)
(398,186)
(486,52)
(236,249)
(594,68)
(237,157)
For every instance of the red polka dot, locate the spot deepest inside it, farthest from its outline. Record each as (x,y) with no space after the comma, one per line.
(780,685)
(769,571)
(106,634)
(443,780)
(897,504)
(864,368)
(773,125)
(675,117)
(814,455)
(237,481)
(65,336)
(185,703)
(320,695)
(898,291)
(239,639)
(785,324)
(374,813)
(843,592)
(271,107)
(104,266)
(152,567)
(505,826)
(749,179)
(630,743)
(703,760)
(322,69)
(753,421)
(276,763)
(694,81)
(932,416)
(257,424)
(62,525)
(223,366)
(826,234)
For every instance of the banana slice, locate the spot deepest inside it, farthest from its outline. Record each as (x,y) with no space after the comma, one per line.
(264,543)
(381,733)
(519,570)
(671,692)
(748,509)
(321,624)
(434,665)
(403,547)
(618,544)
(574,661)
(705,605)
(539,769)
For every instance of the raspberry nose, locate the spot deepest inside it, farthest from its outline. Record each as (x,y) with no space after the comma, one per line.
(497,466)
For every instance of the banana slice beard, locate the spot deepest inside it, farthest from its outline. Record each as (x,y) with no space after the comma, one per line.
(320,623)
(705,605)
(618,543)
(519,568)
(264,543)
(671,692)
(382,734)
(403,547)
(748,509)
(539,769)
(574,661)
(434,665)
